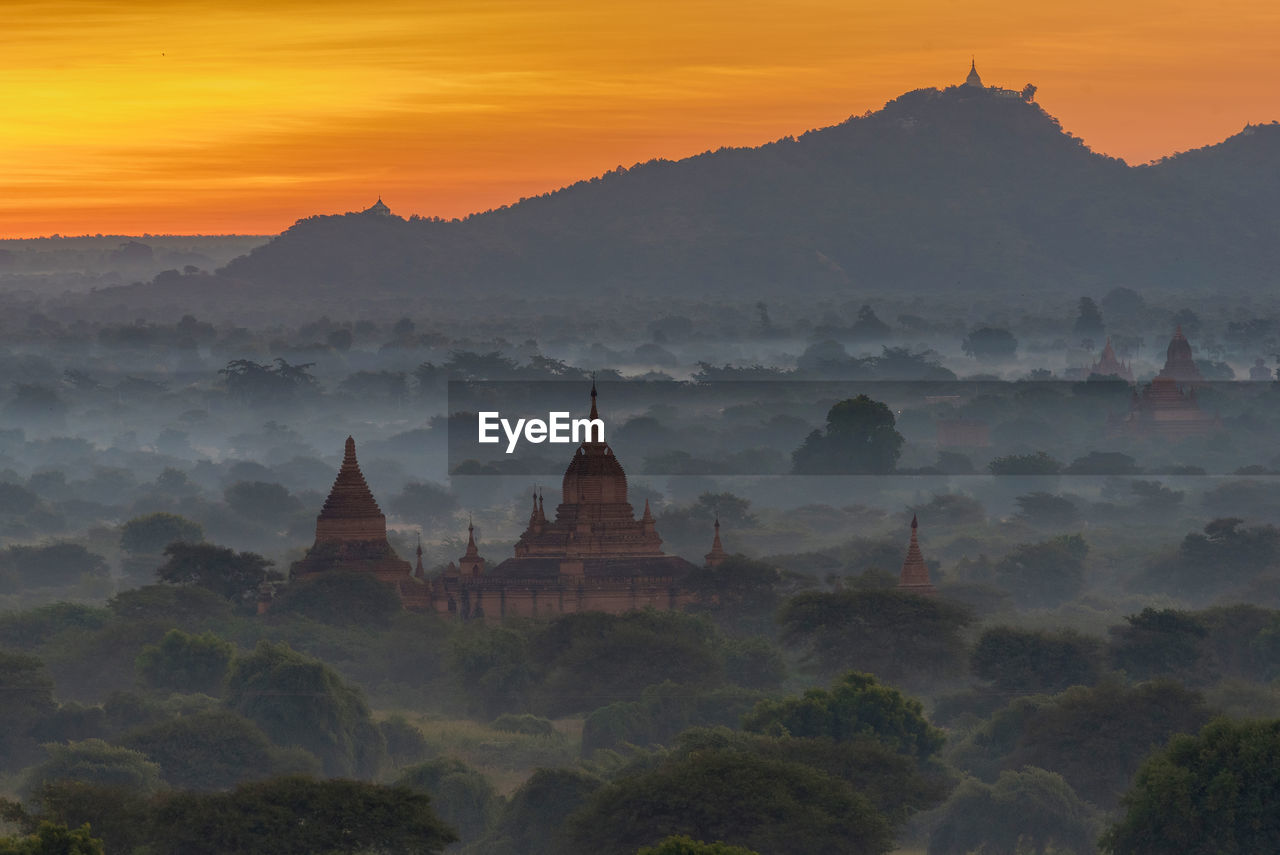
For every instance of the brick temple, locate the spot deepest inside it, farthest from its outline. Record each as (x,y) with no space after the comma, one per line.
(1167,408)
(351,531)
(914,577)
(594,556)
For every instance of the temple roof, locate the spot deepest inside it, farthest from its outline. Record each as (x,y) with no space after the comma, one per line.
(378,208)
(973,79)
(350,497)
(1179,362)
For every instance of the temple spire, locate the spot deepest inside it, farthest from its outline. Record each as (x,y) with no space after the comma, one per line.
(973,79)
(594,413)
(915,573)
(472,552)
(418,570)
(717,553)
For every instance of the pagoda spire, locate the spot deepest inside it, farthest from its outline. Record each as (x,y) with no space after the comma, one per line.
(471,552)
(717,553)
(915,573)
(973,79)
(594,413)
(418,570)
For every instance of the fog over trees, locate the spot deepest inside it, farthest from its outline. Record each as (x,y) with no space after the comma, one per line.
(1102,637)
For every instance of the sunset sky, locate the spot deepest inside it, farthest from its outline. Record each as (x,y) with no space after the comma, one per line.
(238,116)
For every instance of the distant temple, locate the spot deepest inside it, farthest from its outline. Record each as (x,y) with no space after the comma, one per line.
(1179,364)
(973,79)
(595,555)
(1167,407)
(1109,365)
(378,209)
(915,574)
(351,531)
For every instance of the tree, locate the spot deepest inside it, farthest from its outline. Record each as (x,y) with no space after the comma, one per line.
(120,816)
(897,636)
(1046,574)
(681,845)
(255,383)
(236,576)
(1103,463)
(1031,811)
(150,534)
(300,816)
(1095,737)
(214,750)
(532,823)
(662,713)
(740,593)
(859,439)
(1047,509)
(186,663)
(340,598)
(51,839)
(857,706)
(492,666)
(896,784)
(53,565)
(990,343)
(1210,793)
(1088,323)
(95,762)
(28,700)
(591,659)
(303,702)
(1039,463)
(1019,660)
(743,800)
(1158,643)
(462,797)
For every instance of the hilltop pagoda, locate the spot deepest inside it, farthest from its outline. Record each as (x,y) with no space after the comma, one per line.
(914,577)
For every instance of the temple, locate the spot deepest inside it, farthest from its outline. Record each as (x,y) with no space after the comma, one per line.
(351,531)
(914,578)
(973,79)
(1167,407)
(594,556)
(1179,364)
(1109,365)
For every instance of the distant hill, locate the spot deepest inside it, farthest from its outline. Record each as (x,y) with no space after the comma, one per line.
(960,188)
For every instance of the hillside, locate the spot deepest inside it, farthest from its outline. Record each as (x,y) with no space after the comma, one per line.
(960,188)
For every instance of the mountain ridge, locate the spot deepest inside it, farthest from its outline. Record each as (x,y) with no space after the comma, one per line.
(961,187)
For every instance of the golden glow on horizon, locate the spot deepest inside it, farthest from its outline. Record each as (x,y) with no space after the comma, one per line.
(184,117)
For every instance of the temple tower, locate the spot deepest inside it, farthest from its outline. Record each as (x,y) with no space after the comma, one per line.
(973,79)
(717,554)
(1179,364)
(351,531)
(915,574)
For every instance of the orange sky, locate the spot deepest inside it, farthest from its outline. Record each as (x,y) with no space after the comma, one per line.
(240,116)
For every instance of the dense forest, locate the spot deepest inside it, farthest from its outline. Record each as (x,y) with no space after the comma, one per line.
(1106,629)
